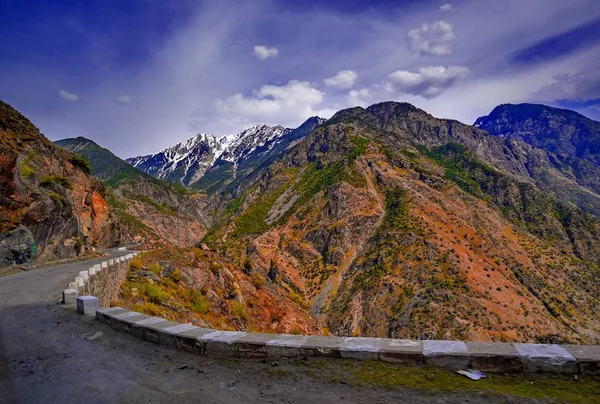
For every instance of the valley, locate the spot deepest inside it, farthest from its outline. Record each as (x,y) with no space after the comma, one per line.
(379,222)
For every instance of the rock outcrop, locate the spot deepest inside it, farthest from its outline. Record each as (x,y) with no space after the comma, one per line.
(51,207)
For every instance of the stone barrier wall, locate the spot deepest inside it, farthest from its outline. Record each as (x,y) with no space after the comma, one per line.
(101,280)
(454,355)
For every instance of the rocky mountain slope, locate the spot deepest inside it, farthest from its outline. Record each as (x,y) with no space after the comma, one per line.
(50,205)
(386,221)
(201,287)
(560,131)
(207,163)
(148,210)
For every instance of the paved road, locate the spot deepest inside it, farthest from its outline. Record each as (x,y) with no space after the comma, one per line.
(50,354)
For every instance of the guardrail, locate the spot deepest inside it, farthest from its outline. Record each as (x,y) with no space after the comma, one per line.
(486,356)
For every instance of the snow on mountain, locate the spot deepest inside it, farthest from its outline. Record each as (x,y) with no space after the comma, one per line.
(187,162)
(247,141)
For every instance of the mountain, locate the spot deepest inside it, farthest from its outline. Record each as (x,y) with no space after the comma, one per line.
(189,161)
(105,166)
(556,130)
(147,209)
(183,163)
(51,207)
(389,222)
(249,152)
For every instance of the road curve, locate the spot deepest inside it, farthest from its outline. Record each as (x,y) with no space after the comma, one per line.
(50,354)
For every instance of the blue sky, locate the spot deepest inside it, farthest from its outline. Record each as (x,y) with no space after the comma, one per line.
(140,75)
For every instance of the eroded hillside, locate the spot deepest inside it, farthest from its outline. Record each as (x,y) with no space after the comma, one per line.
(50,205)
(147,210)
(386,233)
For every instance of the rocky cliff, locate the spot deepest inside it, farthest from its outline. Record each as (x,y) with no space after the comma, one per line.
(50,205)
(389,222)
(147,210)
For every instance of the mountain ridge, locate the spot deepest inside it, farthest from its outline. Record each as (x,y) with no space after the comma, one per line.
(200,153)
(556,130)
(147,209)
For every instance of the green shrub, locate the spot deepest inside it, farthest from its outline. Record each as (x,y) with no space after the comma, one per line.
(176,276)
(82,163)
(56,179)
(155,268)
(56,197)
(239,310)
(26,171)
(200,303)
(154,294)
(136,263)
(78,244)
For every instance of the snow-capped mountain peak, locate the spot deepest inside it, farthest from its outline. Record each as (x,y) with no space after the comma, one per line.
(186,162)
(241,145)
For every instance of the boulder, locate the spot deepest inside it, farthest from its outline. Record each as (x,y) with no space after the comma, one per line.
(16,246)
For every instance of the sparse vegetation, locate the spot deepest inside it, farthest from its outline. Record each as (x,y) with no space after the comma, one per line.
(200,303)
(154,294)
(48,180)
(81,162)
(26,170)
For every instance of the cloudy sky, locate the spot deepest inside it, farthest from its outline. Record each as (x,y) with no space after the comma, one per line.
(140,75)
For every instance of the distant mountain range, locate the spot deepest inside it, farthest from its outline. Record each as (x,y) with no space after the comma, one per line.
(187,162)
(556,130)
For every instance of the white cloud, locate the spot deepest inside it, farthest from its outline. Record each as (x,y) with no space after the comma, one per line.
(343,80)
(581,86)
(431,39)
(66,95)
(446,7)
(286,105)
(428,81)
(360,97)
(262,52)
(123,99)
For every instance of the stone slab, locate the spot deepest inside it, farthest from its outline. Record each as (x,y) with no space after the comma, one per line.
(495,357)
(190,339)
(111,262)
(92,271)
(285,345)
(446,354)
(401,351)
(489,357)
(84,274)
(106,314)
(546,358)
(253,344)
(104,264)
(69,296)
(220,342)
(588,358)
(155,332)
(360,348)
(167,333)
(316,345)
(87,305)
